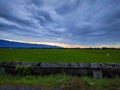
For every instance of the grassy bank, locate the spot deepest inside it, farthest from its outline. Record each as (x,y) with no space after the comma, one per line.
(59,55)
(63,81)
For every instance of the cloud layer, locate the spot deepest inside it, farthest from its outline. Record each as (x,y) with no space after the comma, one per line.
(84,22)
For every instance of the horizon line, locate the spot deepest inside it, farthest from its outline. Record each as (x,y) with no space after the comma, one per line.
(64,45)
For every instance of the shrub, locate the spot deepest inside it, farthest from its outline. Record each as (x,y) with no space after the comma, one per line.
(22,70)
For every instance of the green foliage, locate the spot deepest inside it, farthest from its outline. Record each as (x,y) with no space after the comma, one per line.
(114,84)
(96,84)
(66,82)
(23,70)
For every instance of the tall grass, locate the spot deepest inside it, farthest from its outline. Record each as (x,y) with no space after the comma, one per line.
(46,80)
(63,81)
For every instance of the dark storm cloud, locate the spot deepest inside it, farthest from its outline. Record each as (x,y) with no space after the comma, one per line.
(87,22)
(16,20)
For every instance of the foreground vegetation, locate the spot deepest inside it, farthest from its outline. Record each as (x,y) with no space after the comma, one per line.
(59,55)
(63,81)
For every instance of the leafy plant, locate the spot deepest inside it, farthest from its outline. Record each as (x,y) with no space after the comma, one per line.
(22,70)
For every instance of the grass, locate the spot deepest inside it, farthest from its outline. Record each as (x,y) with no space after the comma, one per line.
(66,82)
(102,84)
(59,55)
(63,81)
(46,80)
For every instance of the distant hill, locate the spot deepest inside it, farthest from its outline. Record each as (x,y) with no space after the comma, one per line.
(11,44)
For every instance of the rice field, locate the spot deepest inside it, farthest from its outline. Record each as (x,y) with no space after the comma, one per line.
(59,55)
(62,81)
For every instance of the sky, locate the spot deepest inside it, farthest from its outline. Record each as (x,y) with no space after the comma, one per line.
(67,23)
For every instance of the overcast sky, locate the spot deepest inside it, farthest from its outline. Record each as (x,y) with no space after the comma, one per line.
(77,22)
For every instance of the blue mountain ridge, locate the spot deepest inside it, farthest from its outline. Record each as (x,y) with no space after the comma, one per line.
(11,44)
